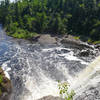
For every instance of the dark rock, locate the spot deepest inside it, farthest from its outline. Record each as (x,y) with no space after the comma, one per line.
(51,98)
(35,38)
(64,51)
(70,42)
(97,46)
(84,53)
(5,86)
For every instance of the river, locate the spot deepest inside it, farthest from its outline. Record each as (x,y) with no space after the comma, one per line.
(35,69)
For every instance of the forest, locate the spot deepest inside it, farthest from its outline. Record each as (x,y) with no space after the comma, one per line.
(26,18)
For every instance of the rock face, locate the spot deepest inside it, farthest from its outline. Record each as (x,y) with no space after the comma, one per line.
(71,42)
(5,86)
(51,98)
(47,39)
(84,53)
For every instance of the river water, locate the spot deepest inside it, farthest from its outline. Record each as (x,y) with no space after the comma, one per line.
(35,69)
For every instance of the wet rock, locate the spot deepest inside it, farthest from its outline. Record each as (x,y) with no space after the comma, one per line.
(97,46)
(35,38)
(88,53)
(71,42)
(51,98)
(92,93)
(5,86)
(64,51)
(84,53)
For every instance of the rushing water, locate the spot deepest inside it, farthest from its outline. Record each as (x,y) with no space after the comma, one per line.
(34,69)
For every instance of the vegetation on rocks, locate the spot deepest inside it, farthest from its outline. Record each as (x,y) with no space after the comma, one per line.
(64,93)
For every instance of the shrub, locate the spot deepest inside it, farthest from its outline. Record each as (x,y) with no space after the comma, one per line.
(21,33)
(63,91)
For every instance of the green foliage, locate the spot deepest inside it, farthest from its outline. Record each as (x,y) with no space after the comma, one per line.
(99,4)
(20,33)
(96,42)
(89,40)
(82,5)
(76,37)
(1,79)
(53,16)
(64,93)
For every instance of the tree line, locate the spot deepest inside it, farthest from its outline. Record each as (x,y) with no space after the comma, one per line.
(24,18)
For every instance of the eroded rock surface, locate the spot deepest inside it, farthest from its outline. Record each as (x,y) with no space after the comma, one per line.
(5,86)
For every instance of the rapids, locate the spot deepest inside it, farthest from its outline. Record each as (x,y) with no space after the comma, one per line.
(35,69)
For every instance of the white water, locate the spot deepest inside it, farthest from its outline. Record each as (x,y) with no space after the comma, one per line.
(6,70)
(88,77)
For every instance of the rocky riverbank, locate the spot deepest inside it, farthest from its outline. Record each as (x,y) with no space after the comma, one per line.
(63,39)
(69,41)
(5,86)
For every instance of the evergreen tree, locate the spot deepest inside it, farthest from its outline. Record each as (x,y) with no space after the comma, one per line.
(78,17)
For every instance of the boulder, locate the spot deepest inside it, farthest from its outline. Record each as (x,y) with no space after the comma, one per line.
(5,86)
(97,46)
(35,38)
(47,39)
(84,53)
(51,98)
(71,42)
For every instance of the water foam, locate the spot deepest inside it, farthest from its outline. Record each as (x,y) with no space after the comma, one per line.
(70,56)
(6,70)
(47,87)
(89,76)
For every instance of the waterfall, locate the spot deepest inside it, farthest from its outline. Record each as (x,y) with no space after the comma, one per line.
(88,77)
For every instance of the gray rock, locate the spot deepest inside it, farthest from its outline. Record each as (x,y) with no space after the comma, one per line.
(47,39)
(51,98)
(69,42)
